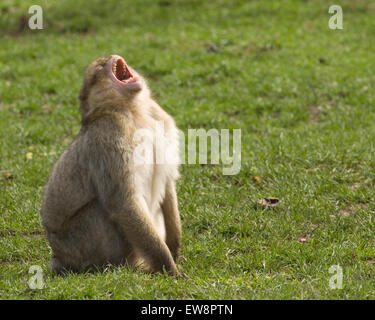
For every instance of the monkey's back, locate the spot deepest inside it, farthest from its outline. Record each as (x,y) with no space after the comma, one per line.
(78,228)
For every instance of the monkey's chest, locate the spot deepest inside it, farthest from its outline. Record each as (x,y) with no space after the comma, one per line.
(150,185)
(156,163)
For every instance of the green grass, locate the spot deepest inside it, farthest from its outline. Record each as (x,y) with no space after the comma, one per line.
(301,93)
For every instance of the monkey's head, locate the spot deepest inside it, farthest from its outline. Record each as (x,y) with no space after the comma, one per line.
(110,82)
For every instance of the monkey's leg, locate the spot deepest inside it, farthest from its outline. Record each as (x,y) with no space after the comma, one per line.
(140,232)
(172,220)
(89,239)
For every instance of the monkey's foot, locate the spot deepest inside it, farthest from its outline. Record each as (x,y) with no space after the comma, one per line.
(57,266)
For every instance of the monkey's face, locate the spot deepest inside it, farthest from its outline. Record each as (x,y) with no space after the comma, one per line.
(108,81)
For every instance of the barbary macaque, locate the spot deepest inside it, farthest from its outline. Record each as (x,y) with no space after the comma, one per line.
(101,206)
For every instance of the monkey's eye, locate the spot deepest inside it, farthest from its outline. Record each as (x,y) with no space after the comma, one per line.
(102,61)
(95,73)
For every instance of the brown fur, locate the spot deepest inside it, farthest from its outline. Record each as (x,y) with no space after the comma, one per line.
(92,212)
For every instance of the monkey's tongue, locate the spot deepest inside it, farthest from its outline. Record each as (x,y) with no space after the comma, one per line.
(121,71)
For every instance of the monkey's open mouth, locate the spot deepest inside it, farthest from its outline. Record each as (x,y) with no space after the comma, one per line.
(121,71)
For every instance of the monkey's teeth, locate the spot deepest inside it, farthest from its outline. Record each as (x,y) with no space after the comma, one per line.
(129,80)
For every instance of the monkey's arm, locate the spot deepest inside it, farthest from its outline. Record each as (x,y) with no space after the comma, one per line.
(172,220)
(134,222)
(112,177)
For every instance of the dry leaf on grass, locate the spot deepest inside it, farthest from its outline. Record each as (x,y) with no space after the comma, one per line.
(268,202)
(6,174)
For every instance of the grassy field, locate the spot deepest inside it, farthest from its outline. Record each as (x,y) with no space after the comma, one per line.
(302,95)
